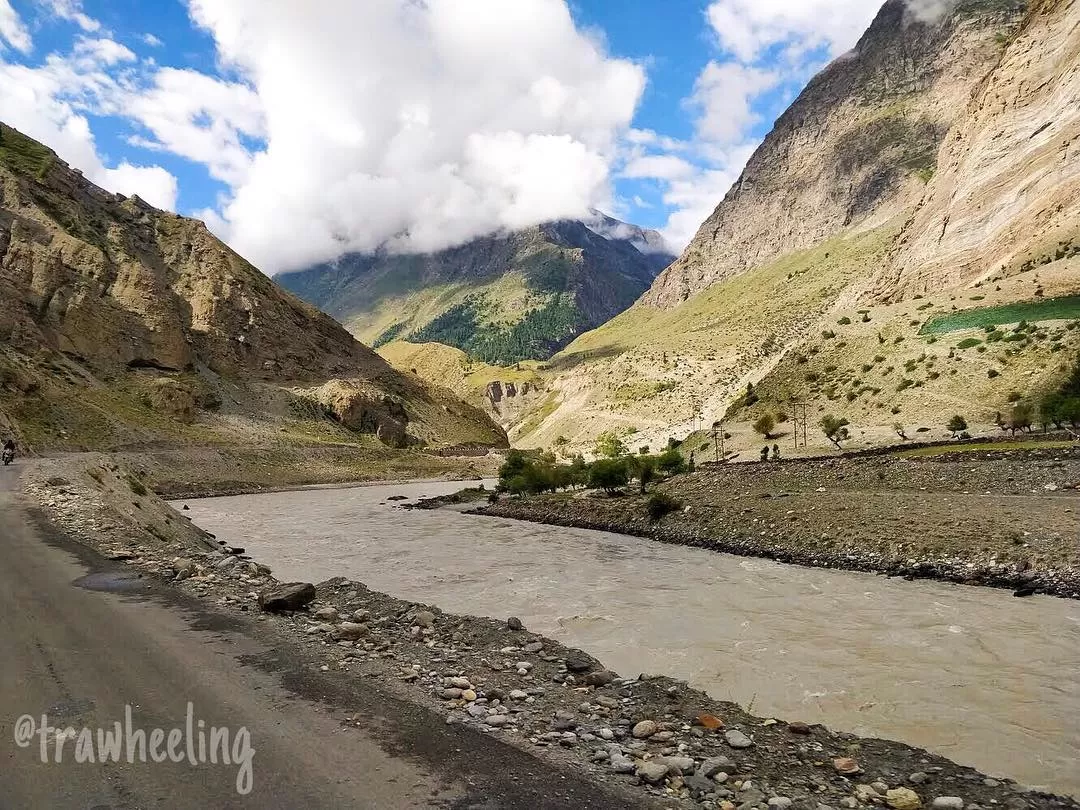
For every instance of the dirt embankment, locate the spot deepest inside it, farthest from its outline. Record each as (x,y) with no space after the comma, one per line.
(1005,519)
(653,738)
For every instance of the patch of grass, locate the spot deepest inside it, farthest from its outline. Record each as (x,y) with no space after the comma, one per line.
(1049,309)
(1030,444)
(24,155)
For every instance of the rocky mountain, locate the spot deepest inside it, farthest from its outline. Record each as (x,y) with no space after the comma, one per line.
(122,324)
(904,245)
(857,146)
(502,298)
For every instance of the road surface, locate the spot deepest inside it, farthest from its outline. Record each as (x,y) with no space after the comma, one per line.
(80,655)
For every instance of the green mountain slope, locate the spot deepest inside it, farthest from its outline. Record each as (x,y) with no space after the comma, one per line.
(502,299)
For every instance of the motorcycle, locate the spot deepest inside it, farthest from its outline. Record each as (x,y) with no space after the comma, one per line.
(8,457)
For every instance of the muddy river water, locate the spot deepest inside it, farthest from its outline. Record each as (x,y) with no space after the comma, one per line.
(972,673)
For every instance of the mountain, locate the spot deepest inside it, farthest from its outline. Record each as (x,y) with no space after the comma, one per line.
(502,298)
(124,325)
(904,245)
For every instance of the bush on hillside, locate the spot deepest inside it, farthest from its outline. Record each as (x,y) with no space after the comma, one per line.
(661,504)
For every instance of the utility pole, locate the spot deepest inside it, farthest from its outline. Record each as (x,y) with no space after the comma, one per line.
(718,441)
(798,415)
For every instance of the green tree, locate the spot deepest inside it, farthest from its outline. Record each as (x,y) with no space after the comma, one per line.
(765,424)
(956,425)
(644,469)
(671,462)
(608,474)
(835,429)
(608,445)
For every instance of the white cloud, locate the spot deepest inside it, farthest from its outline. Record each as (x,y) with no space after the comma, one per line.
(724,96)
(200,118)
(152,183)
(71,10)
(152,41)
(47,103)
(659,167)
(930,11)
(747,28)
(421,124)
(13,30)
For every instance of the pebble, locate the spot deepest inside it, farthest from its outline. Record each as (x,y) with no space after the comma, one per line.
(459,683)
(578,661)
(326,614)
(917,778)
(710,722)
(620,763)
(607,734)
(533,647)
(468,694)
(514,623)
(903,799)
(601,678)
(497,720)
(450,693)
(644,729)
(607,702)
(713,766)
(678,765)
(846,766)
(949,803)
(652,772)
(425,618)
(736,739)
(991,783)
(780,802)
(518,694)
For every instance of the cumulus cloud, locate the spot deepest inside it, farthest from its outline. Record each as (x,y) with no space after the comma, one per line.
(13,31)
(931,11)
(415,125)
(199,117)
(49,102)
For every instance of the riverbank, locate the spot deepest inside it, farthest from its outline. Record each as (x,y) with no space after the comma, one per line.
(651,736)
(1000,519)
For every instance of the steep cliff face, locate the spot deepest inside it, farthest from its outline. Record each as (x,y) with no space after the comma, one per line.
(1006,196)
(111,294)
(502,298)
(854,149)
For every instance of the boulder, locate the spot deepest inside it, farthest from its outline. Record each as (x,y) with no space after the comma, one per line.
(288,596)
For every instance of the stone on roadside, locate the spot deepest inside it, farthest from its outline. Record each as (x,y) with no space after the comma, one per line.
(846,766)
(645,729)
(798,728)
(652,772)
(678,765)
(497,720)
(518,694)
(351,631)
(780,802)
(514,623)
(577,661)
(620,763)
(288,596)
(736,739)
(326,614)
(948,803)
(903,799)
(601,678)
(710,722)
(468,694)
(425,618)
(714,765)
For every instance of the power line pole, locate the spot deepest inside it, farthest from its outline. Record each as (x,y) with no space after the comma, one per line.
(718,441)
(798,415)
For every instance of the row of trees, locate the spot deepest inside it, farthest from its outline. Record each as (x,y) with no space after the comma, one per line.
(523,474)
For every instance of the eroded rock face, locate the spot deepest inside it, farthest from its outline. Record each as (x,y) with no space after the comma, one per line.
(854,149)
(103,290)
(1007,189)
(361,408)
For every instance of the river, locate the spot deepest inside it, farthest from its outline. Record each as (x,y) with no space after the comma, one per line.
(972,673)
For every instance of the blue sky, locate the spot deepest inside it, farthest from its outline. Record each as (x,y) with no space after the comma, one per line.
(374,123)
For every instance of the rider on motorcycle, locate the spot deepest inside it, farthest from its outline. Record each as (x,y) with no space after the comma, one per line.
(9,449)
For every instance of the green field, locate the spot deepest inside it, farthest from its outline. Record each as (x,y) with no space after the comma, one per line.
(1050,309)
(1020,444)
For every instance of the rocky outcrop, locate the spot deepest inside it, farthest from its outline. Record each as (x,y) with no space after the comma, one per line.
(104,293)
(1006,195)
(855,148)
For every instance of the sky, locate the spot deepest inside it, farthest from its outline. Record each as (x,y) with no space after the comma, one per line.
(300,131)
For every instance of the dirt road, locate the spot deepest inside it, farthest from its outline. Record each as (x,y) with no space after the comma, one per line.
(82,639)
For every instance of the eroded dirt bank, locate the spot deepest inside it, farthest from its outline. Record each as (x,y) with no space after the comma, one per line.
(650,736)
(987,518)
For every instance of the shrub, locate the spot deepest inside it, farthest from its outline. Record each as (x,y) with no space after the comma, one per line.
(608,474)
(844,321)
(661,504)
(765,424)
(956,424)
(993,373)
(671,462)
(608,445)
(835,429)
